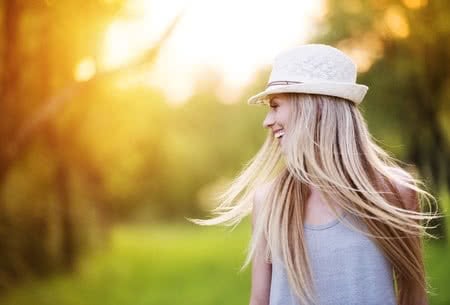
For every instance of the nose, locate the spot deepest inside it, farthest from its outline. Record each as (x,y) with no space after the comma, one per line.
(269,120)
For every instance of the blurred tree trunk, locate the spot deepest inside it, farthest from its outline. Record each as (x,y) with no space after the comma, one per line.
(428,84)
(69,249)
(9,86)
(11,266)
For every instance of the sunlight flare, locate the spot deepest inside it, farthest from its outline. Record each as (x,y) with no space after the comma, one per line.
(85,69)
(216,35)
(396,22)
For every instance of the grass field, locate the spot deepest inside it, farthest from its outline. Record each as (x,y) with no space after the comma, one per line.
(167,265)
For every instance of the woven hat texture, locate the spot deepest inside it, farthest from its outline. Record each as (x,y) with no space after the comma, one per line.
(314,69)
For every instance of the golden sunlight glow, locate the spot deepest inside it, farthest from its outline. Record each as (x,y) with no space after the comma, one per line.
(234,38)
(396,22)
(364,50)
(85,69)
(415,4)
(117,44)
(352,6)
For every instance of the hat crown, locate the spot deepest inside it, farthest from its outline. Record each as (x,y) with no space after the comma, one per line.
(313,69)
(313,63)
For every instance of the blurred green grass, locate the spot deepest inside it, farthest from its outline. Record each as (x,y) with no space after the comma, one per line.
(175,264)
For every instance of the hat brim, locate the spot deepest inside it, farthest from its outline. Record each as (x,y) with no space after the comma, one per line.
(349,91)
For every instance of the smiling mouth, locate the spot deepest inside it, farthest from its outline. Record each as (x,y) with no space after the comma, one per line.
(279,134)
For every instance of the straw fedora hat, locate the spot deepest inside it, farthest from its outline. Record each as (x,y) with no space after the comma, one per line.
(314,69)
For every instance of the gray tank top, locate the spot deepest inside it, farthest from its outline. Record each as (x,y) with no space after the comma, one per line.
(347,268)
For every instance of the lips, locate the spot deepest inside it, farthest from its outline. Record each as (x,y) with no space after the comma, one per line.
(278,133)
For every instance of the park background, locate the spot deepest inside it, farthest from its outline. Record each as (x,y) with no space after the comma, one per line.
(120,119)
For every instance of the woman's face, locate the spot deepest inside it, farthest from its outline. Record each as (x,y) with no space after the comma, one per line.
(277,117)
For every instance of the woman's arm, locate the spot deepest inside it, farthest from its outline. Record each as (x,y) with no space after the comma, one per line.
(261,270)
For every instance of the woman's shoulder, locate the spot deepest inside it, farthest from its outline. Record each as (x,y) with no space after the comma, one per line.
(261,193)
(408,195)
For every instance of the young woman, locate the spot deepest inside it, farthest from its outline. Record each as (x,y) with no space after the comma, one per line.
(335,219)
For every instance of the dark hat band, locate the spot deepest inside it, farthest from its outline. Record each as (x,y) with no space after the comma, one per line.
(283,82)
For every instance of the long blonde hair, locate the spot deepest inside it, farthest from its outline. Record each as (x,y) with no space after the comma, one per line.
(327,145)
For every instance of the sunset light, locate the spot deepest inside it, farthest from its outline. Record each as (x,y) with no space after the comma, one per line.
(396,22)
(85,69)
(232,38)
(128,127)
(117,46)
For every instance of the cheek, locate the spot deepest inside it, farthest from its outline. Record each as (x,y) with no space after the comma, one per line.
(284,117)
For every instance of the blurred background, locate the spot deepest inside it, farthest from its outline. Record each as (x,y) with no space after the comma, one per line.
(119,118)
